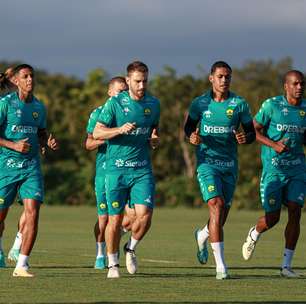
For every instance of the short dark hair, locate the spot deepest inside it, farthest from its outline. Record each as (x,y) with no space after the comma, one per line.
(137,66)
(220,64)
(5,78)
(119,79)
(22,66)
(296,72)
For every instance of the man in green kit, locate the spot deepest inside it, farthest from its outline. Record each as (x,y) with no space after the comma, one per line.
(129,122)
(280,127)
(212,125)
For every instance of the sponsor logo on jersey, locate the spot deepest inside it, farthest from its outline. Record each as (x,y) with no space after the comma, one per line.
(274,162)
(1,201)
(140,131)
(207,113)
(124,101)
(119,163)
(285,111)
(290,128)
(211,188)
(35,115)
(229,113)
(24,129)
(115,204)
(147,112)
(302,113)
(11,163)
(217,129)
(272,201)
(102,206)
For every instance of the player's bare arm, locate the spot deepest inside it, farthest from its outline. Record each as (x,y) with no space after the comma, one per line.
(192,132)
(278,146)
(21,146)
(91,143)
(101,131)
(247,136)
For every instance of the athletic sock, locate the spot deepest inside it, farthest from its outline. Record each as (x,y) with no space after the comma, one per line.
(203,236)
(218,251)
(99,249)
(132,243)
(287,258)
(18,241)
(255,235)
(22,261)
(113,259)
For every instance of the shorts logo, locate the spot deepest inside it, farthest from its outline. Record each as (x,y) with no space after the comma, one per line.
(35,115)
(147,112)
(229,113)
(211,188)
(301,197)
(115,204)
(102,206)
(1,201)
(302,113)
(272,201)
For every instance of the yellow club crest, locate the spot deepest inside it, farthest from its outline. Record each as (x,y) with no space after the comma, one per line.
(35,115)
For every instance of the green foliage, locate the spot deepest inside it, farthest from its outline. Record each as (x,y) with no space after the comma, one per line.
(69,173)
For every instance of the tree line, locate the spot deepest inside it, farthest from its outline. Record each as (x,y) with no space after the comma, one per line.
(69,173)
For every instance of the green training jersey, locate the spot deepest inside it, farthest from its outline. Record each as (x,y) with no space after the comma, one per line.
(283,121)
(100,158)
(20,120)
(218,120)
(130,151)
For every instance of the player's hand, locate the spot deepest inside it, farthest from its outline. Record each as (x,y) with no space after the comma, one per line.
(52,143)
(280,146)
(127,127)
(22,146)
(195,138)
(240,137)
(154,140)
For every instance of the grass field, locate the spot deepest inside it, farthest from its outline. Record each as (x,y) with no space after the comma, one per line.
(63,258)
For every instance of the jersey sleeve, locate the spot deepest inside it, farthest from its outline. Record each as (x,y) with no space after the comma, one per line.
(263,116)
(107,114)
(245,114)
(3,111)
(194,110)
(43,120)
(93,118)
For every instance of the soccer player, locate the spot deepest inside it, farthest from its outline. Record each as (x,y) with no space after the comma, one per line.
(213,126)
(22,133)
(116,85)
(280,127)
(129,122)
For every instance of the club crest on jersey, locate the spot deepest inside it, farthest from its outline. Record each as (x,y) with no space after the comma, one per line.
(302,113)
(147,112)
(229,113)
(35,115)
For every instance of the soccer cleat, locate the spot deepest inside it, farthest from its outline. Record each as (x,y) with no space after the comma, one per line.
(22,272)
(222,275)
(202,254)
(289,273)
(13,255)
(130,260)
(113,272)
(2,260)
(249,246)
(100,263)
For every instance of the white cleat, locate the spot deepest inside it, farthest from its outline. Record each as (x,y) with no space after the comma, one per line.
(113,272)
(130,260)
(289,273)
(22,272)
(249,246)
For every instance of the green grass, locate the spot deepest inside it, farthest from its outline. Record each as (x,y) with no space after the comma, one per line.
(63,258)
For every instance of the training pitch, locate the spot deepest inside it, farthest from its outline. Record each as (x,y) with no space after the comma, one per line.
(64,254)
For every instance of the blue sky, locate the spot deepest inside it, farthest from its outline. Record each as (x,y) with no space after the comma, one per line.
(75,36)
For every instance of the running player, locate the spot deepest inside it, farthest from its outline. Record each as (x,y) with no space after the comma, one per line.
(22,133)
(219,114)
(116,85)
(129,122)
(280,127)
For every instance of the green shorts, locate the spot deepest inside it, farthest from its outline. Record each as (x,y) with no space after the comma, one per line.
(216,184)
(133,188)
(276,190)
(100,194)
(28,185)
